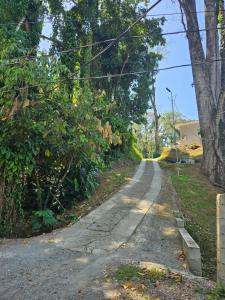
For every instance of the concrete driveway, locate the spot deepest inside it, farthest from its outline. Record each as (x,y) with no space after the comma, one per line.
(135,224)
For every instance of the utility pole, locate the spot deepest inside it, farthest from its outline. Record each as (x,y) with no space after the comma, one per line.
(174,129)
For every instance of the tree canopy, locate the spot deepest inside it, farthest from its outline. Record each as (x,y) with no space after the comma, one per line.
(60,123)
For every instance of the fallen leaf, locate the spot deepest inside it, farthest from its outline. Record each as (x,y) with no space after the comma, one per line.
(177,277)
(138,286)
(127,285)
(26,103)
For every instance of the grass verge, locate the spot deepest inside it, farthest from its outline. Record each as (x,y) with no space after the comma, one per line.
(133,273)
(217,293)
(155,282)
(197,201)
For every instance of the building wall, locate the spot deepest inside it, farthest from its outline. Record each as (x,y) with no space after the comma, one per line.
(189,133)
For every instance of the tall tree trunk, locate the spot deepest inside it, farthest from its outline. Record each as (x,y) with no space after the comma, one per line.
(157,141)
(221,101)
(156,120)
(205,73)
(212,47)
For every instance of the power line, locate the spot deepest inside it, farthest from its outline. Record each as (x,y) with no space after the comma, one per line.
(124,32)
(105,41)
(121,35)
(109,76)
(110,18)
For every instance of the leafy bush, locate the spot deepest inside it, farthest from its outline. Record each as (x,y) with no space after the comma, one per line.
(43,219)
(134,153)
(130,148)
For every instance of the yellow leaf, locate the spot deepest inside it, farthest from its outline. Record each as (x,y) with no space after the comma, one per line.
(26,103)
(138,286)
(127,285)
(47,153)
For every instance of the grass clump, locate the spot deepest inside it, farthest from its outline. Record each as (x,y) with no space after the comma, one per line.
(214,294)
(130,272)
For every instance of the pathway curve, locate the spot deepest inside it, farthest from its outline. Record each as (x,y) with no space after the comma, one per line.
(131,225)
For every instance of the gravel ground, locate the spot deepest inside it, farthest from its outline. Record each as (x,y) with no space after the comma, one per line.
(75,263)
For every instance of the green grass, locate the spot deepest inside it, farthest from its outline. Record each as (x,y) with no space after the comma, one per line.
(139,282)
(134,154)
(129,272)
(215,294)
(197,201)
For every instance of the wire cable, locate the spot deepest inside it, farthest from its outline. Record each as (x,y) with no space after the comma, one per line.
(110,18)
(26,57)
(109,76)
(123,33)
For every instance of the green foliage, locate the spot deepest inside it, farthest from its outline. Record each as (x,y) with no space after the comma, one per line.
(56,132)
(134,153)
(214,294)
(43,219)
(130,147)
(197,201)
(167,128)
(145,133)
(127,273)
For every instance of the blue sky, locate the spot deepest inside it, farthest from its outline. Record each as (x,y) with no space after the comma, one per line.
(179,81)
(176,52)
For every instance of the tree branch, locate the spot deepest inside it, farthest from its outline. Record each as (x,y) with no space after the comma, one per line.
(51,40)
(124,32)
(20,24)
(182,16)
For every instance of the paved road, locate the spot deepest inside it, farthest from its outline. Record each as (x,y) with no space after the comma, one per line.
(135,224)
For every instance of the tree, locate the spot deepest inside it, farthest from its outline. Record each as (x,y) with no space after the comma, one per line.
(167,127)
(56,131)
(208,69)
(127,96)
(156,119)
(145,133)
